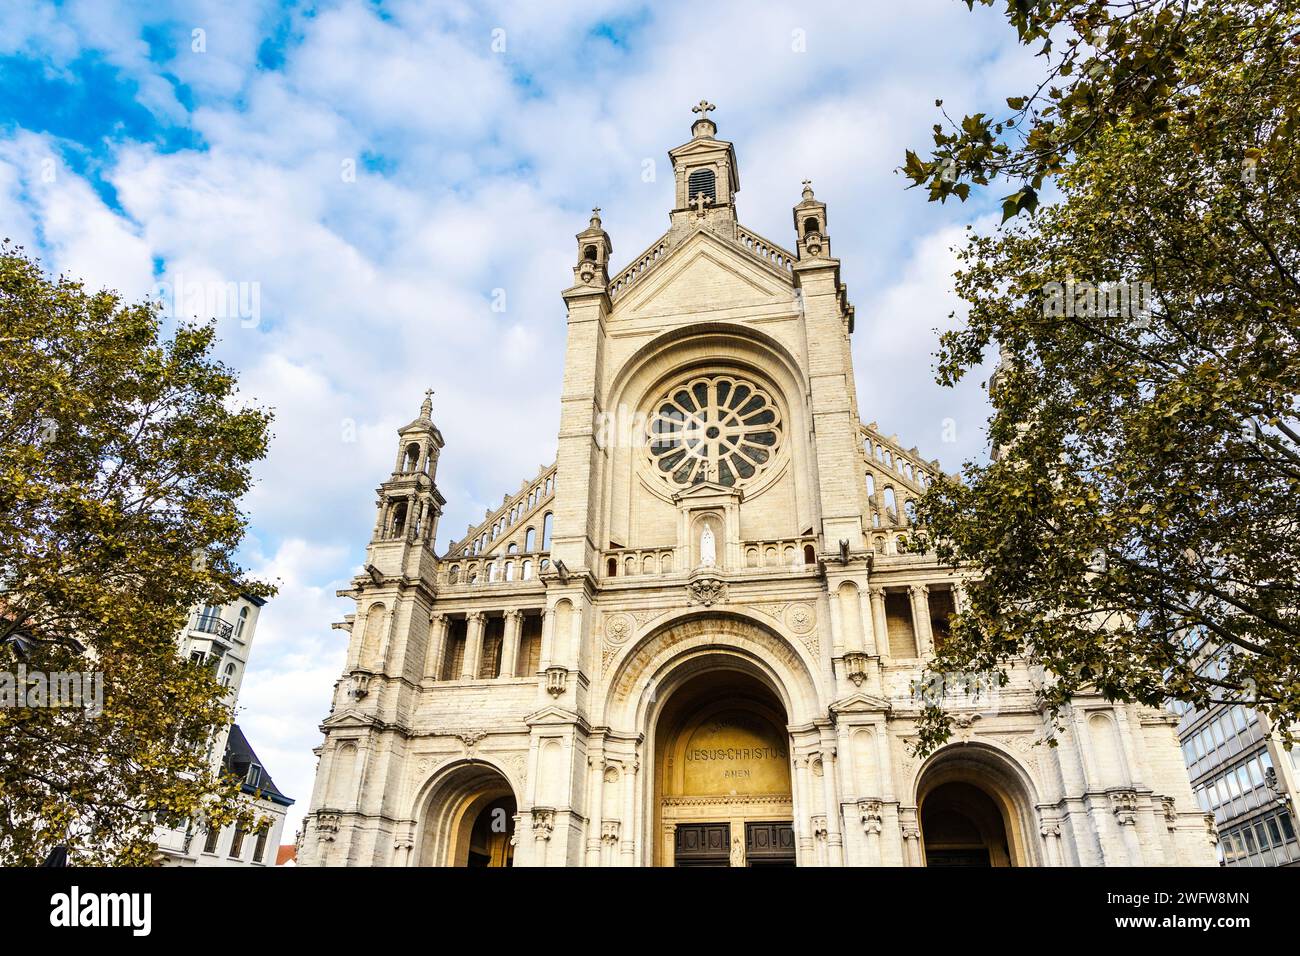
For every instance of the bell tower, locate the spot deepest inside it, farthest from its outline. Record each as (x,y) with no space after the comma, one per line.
(706,175)
(594,250)
(409,504)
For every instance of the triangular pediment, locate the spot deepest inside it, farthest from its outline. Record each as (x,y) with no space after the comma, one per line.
(708,490)
(349,718)
(706,273)
(860,703)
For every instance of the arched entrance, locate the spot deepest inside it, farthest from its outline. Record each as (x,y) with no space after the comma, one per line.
(962,826)
(468,819)
(722,792)
(973,803)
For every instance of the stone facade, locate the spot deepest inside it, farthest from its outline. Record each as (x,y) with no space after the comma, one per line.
(693,638)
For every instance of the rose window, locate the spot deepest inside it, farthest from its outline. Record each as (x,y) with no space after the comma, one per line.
(716,428)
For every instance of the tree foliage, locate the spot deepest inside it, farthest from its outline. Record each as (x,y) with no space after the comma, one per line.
(1137,530)
(122,459)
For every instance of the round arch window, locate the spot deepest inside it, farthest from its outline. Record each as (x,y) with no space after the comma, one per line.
(714,428)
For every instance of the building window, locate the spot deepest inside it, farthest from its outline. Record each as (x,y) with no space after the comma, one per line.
(237,842)
(243,620)
(259,848)
(210,842)
(701,181)
(720,429)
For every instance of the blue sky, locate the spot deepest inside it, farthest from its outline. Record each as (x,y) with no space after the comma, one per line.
(370,174)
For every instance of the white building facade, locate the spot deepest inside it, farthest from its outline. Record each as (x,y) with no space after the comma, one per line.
(221,637)
(692,639)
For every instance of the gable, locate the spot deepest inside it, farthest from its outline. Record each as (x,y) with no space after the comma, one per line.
(705,273)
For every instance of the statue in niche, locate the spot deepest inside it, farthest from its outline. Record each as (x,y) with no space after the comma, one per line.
(708,548)
(737,850)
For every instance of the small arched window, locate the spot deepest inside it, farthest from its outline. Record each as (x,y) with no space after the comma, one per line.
(611,568)
(589,253)
(527,573)
(701,181)
(453,576)
(512,548)
(546,531)
(810,225)
(530,539)
(412,456)
(809,554)
(243,620)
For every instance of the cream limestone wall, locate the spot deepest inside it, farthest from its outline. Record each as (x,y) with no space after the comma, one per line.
(439,712)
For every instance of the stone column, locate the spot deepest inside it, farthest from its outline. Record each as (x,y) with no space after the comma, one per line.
(834,841)
(433,655)
(878,622)
(510,643)
(921,619)
(595,805)
(802,811)
(548,637)
(1051,833)
(867,627)
(473,646)
(629,812)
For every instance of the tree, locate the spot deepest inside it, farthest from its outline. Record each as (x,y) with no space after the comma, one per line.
(122,459)
(1136,531)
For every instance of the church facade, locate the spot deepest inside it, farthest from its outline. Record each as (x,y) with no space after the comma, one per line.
(695,639)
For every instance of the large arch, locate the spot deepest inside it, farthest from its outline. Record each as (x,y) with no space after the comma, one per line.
(706,348)
(732,638)
(451,810)
(727,648)
(980,789)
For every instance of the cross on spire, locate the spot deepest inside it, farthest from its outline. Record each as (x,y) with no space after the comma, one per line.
(426,408)
(703,108)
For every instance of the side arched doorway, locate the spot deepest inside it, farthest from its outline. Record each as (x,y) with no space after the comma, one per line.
(973,804)
(722,791)
(468,819)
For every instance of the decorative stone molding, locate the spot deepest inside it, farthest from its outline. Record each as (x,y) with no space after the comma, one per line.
(855,667)
(360,685)
(609,831)
(1171,812)
(820,828)
(800,618)
(1050,830)
(469,738)
(619,628)
(707,590)
(543,823)
(1124,804)
(869,812)
(1211,830)
(327,825)
(557,681)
